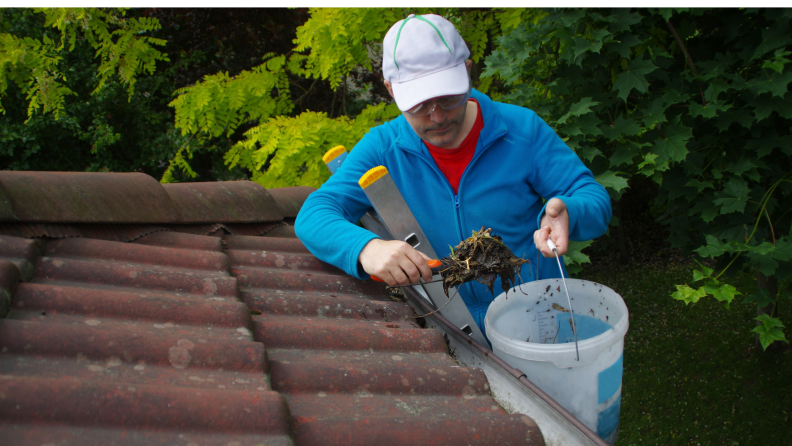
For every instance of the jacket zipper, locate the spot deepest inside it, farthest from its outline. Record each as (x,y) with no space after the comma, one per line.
(433,166)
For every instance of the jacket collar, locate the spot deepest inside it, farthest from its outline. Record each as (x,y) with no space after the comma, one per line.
(494,128)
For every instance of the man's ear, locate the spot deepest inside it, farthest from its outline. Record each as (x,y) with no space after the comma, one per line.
(468,64)
(390,89)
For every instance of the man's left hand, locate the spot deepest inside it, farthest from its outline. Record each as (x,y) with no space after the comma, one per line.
(554,225)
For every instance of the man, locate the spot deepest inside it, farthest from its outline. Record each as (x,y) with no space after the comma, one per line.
(461,161)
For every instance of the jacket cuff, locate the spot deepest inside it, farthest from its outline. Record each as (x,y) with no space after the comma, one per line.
(357,271)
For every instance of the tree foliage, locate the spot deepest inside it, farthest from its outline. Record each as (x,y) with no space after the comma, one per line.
(332,43)
(82,128)
(696,100)
(120,44)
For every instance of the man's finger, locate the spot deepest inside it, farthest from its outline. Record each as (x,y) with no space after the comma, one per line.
(422,269)
(555,207)
(540,240)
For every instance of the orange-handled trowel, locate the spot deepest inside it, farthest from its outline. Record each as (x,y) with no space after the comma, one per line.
(434,264)
(392,219)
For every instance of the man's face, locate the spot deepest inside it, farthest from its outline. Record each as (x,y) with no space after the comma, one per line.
(441,128)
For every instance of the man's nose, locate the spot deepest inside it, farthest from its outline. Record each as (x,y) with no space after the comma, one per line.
(438,114)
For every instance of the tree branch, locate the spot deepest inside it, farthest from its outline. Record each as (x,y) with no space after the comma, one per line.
(307,92)
(688,58)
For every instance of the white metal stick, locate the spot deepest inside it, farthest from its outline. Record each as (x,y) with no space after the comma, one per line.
(553,248)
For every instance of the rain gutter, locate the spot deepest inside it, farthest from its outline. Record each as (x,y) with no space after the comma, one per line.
(510,387)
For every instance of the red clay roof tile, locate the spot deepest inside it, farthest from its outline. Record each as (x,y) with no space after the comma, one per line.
(290,199)
(182,338)
(22,253)
(223,202)
(76,197)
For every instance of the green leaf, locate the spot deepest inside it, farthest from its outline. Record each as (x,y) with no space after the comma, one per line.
(580,107)
(633,78)
(570,18)
(655,113)
(700,186)
(707,111)
(713,248)
(769,321)
(609,179)
(583,45)
(590,124)
(778,61)
(673,146)
(764,105)
(625,153)
(772,37)
(761,297)
(733,197)
(766,256)
(575,256)
(707,209)
(739,167)
(769,141)
(705,273)
(649,160)
(624,44)
(622,19)
(687,294)
(621,127)
(665,12)
(588,153)
(724,293)
(770,330)
(775,83)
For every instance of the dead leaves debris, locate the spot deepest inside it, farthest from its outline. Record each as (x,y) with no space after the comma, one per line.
(482,257)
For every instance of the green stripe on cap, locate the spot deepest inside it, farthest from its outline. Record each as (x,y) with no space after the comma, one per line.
(438,32)
(395,45)
(398,34)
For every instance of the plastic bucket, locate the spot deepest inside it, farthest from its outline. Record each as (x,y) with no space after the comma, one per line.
(529,328)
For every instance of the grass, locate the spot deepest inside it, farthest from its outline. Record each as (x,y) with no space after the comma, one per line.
(692,375)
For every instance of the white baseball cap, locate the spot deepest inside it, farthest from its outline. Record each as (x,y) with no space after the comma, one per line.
(423,57)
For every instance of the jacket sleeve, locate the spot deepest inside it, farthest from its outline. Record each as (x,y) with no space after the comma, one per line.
(559,173)
(325,221)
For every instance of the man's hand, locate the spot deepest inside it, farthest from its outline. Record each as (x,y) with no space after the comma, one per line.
(395,262)
(554,225)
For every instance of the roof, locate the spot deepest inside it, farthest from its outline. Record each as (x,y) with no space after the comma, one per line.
(146,313)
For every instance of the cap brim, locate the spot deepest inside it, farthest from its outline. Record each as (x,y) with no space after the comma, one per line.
(447,82)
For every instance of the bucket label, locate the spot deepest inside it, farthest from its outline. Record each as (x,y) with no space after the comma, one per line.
(609,392)
(610,380)
(608,419)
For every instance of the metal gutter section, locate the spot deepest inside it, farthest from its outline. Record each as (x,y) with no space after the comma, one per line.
(510,387)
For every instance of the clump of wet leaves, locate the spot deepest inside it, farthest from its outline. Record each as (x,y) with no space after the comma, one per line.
(482,257)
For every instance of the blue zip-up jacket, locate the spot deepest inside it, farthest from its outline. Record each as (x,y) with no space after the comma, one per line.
(518,160)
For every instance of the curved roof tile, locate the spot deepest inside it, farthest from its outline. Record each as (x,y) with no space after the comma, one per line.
(84,197)
(6,209)
(196,336)
(223,202)
(79,197)
(290,199)
(9,279)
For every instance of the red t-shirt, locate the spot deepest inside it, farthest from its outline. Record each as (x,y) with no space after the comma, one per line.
(452,162)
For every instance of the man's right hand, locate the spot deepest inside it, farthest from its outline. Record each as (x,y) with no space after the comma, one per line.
(395,262)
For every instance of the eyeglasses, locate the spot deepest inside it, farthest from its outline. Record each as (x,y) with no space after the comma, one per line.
(445,102)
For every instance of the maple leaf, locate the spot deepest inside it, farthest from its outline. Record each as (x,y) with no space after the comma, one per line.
(580,107)
(775,83)
(674,146)
(770,330)
(611,180)
(622,126)
(633,77)
(688,295)
(733,197)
